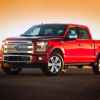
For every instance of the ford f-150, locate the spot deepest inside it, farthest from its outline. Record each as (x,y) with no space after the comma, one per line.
(51,47)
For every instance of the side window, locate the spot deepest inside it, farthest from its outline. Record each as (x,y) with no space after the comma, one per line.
(72,33)
(83,34)
(48,31)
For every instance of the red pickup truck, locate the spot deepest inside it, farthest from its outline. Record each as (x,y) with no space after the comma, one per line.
(51,47)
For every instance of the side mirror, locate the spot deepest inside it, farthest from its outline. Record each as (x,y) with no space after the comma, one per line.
(71,35)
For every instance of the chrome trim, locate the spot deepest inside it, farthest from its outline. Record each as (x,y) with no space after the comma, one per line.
(19,41)
(11,51)
(11,46)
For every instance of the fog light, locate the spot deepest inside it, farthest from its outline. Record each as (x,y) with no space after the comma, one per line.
(6,65)
(40,58)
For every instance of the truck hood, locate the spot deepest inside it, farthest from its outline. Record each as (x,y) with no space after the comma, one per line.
(35,38)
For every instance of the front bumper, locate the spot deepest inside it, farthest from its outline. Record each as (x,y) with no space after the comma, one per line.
(27,59)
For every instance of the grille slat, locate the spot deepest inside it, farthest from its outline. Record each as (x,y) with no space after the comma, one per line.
(18,51)
(19,47)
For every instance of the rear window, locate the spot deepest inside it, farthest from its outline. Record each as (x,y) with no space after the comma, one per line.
(83,34)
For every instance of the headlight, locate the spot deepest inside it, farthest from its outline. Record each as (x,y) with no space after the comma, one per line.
(4,42)
(41,46)
(4,46)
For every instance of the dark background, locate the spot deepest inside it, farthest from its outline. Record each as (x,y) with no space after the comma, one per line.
(32,84)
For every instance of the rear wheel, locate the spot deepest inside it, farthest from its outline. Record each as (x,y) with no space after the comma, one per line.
(55,65)
(96,66)
(11,70)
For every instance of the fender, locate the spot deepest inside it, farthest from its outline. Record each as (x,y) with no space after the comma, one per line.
(53,49)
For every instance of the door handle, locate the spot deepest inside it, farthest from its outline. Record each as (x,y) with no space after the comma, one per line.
(79,44)
(91,45)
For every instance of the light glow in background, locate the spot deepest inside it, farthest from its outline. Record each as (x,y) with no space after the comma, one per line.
(16,16)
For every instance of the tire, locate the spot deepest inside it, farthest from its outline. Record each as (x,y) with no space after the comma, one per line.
(12,70)
(96,66)
(54,66)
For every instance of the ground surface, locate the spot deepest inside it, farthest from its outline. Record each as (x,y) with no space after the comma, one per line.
(31,84)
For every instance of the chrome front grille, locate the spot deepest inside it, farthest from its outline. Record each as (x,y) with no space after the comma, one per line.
(18,47)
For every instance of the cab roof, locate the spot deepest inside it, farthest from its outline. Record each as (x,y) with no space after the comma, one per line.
(69,25)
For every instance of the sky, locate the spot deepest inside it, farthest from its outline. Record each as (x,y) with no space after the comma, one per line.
(16,16)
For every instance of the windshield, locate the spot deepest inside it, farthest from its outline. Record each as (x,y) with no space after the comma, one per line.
(45,30)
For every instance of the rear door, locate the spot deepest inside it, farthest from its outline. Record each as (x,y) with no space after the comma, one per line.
(86,45)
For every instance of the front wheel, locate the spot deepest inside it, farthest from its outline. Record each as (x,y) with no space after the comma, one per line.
(96,66)
(55,65)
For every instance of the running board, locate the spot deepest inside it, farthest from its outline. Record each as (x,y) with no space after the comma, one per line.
(76,64)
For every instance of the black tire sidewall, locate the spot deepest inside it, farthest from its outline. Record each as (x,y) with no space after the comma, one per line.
(96,67)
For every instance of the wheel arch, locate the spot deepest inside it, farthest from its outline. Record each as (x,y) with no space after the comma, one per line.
(98,55)
(57,50)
